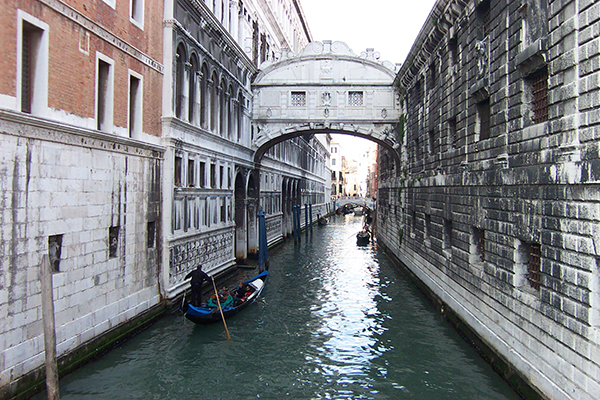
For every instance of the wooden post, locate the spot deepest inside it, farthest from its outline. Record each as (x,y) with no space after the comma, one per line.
(49,329)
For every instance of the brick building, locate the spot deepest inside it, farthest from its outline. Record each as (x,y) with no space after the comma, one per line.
(80,166)
(495,207)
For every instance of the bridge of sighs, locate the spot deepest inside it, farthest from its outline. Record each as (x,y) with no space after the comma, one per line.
(326,88)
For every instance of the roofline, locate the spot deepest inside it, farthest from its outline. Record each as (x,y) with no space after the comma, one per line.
(303,20)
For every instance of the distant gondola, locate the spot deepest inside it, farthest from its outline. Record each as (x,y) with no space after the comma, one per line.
(363,238)
(208,315)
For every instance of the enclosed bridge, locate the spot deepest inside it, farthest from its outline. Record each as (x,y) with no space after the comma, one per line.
(326,88)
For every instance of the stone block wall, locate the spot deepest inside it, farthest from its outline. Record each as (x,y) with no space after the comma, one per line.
(496,206)
(92,203)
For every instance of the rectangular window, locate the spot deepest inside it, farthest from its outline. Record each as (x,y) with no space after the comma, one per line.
(538,84)
(453,53)
(104,94)
(33,63)
(213,175)
(202,174)
(136,12)
(452,135)
(483,119)
(431,141)
(221,176)
(534,266)
(177,172)
(355,99)
(54,250)
(151,234)
(223,208)
(478,244)
(447,234)
(333,161)
(135,106)
(113,241)
(432,75)
(483,18)
(191,173)
(298,99)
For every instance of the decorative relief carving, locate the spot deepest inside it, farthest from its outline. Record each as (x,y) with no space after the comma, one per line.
(326,67)
(326,99)
(482,57)
(208,250)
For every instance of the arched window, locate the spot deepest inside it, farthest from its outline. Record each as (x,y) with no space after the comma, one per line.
(204,94)
(240,115)
(223,109)
(230,113)
(214,102)
(180,59)
(193,89)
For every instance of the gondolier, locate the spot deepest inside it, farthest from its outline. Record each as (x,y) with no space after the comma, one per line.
(198,277)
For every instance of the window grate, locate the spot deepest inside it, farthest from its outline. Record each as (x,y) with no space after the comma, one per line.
(355,99)
(298,99)
(539,87)
(483,111)
(534,266)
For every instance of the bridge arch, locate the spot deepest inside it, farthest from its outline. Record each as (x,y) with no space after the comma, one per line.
(325,89)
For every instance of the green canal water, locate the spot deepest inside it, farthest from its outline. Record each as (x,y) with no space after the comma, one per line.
(335,321)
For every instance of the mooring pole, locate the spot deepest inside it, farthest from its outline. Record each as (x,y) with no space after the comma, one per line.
(49,329)
(310,216)
(306,217)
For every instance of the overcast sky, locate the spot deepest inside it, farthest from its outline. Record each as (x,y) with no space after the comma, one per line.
(388,26)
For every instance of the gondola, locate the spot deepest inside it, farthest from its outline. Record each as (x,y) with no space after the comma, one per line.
(208,315)
(322,221)
(363,238)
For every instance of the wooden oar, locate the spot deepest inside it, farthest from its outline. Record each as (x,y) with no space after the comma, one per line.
(220,309)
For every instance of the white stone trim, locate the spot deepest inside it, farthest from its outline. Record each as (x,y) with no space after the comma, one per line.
(109,92)
(39,103)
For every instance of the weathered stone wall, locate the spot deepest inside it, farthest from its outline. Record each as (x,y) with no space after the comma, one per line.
(99,195)
(502,223)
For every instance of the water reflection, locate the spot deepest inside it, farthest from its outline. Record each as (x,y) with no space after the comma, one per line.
(335,321)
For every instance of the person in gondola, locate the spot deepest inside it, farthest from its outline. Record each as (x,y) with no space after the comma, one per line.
(198,277)
(240,293)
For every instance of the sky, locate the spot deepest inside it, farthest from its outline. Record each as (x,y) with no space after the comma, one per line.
(388,26)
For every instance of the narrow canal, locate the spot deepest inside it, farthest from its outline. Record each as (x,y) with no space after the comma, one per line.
(335,321)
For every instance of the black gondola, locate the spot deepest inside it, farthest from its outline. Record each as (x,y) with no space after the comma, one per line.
(363,238)
(208,315)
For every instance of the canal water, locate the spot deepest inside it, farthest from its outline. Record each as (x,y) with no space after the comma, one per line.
(335,321)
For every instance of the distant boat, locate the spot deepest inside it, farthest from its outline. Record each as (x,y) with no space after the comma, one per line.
(208,315)
(363,238)
(322,221)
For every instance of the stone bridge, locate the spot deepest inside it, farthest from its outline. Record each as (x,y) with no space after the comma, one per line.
(325,89)
(359,201)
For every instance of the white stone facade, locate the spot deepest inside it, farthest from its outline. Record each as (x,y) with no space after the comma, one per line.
(76,185)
